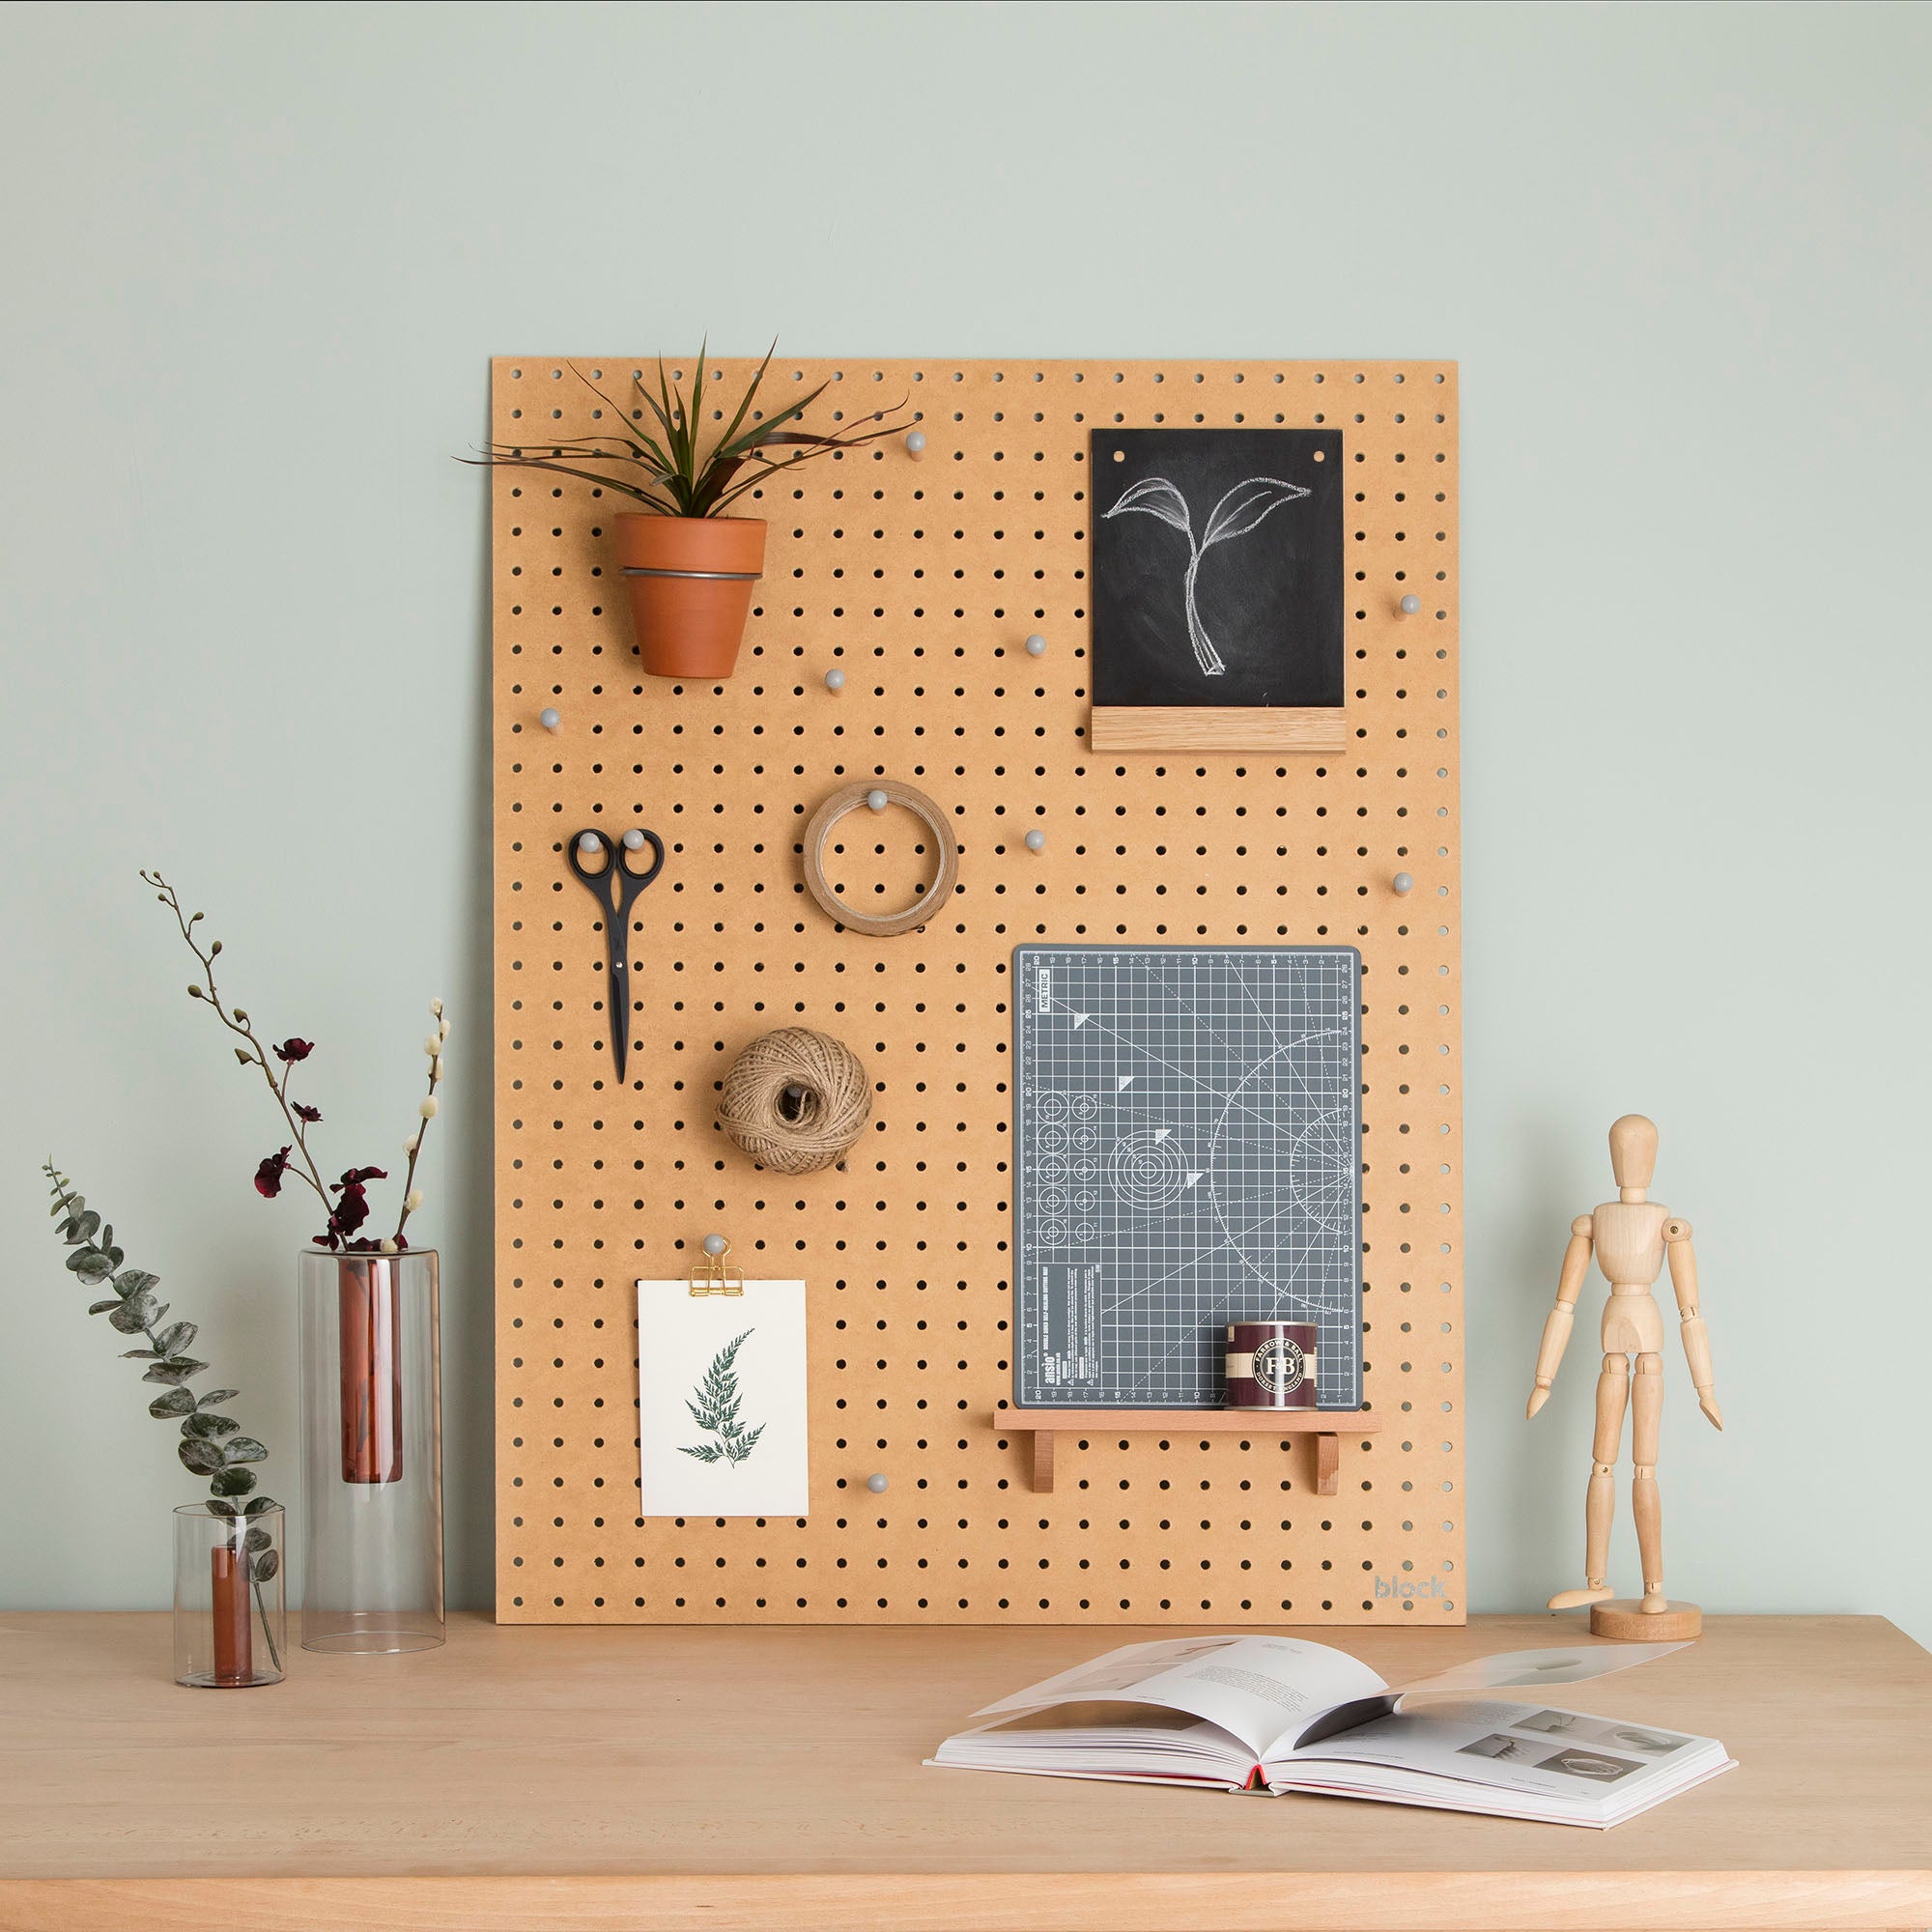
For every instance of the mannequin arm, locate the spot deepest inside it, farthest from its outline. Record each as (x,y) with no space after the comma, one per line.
(1556,1324)
(1696,1338)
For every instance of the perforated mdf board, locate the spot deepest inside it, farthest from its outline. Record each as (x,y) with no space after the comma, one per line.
(921,580)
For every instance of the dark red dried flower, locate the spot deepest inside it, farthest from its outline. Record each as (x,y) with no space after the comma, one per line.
(292,1050)
(309,1114)
(353,1210)
(269,1176)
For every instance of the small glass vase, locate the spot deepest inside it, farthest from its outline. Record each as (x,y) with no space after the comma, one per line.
(230,1620)
(372,1452)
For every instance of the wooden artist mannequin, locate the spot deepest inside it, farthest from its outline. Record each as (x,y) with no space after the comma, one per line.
(1632,1235)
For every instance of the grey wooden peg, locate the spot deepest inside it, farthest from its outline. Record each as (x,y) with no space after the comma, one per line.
(1036,645)
(877,1485)
(1035,841)
(835,680)
(1403,883)
(586,843)
(914,443)
(878,801)
(633,841)
(714,1246)
(550,719)
(1410,604)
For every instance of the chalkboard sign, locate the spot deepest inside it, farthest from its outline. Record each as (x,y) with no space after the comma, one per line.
(1217,584)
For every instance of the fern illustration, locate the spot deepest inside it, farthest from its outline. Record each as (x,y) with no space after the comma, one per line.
(1238,512)
(716,1407)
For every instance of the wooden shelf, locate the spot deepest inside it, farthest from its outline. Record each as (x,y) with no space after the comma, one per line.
(1328,1425)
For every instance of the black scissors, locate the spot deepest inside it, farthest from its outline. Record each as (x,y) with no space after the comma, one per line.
(615,889)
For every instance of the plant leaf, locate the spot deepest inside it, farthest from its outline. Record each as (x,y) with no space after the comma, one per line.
(177,1402)
(174,1372)
(1246,504)
(1156,496)
(203,1459)
(705,1452)
(134,1314)
(267,1565)
(176,1337)
(243,1449)
(214,1396)
(257,1538)
(207,1428)
(231,1482)
(130,1281)
(215,1508)
(257,1504)
(103,1307)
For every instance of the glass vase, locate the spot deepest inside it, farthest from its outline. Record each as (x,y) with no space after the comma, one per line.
(230,1620)
(372,1452)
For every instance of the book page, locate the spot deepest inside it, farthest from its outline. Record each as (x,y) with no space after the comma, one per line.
(1521,1669)
(1257,1689)
(1559,1755)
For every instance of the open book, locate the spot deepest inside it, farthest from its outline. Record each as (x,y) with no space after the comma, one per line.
(1278,1714)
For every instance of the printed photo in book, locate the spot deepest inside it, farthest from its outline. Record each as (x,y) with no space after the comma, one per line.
(1279,1714)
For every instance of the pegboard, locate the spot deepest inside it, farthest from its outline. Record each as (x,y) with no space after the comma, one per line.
(921,580)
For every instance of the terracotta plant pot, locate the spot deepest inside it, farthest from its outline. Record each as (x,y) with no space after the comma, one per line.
(691,580)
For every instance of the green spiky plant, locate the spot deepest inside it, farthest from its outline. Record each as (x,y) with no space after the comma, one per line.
(716,1408)
(658,460)
(211,1444)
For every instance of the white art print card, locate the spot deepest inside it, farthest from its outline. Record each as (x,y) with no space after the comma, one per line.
(721,1417)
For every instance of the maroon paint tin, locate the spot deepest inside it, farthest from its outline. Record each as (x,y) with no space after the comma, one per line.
(1271,1364)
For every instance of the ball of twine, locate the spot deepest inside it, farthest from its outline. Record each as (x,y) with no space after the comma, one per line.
(795,1101)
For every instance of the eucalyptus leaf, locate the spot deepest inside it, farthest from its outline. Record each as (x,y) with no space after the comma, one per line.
(186,1364)
(175,1337)
(177,1402)
(258,1504)
(141,1356)
(89,1225)
(257,1538)
(267,1565)
(207,1428)
(134,1314)
(73,1204)
(244,1449)
(94,1268)
(204,1458)
(216,1506)
(214,1396)
(103,1307)
(130,1281)
(114,1254)
(174,1374)
(231,1482)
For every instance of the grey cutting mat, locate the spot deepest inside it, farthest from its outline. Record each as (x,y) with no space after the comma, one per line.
(1189,1129)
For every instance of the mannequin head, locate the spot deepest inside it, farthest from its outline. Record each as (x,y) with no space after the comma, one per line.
(1633,1155)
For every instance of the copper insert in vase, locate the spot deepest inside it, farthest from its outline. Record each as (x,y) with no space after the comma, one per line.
(370,1317)
(229,1612)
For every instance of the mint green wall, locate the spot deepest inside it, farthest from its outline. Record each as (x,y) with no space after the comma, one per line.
(256,258)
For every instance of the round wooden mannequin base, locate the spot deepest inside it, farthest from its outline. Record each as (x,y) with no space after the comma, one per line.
(1622,1619)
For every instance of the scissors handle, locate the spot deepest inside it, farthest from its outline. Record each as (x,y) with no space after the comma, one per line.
(616,884)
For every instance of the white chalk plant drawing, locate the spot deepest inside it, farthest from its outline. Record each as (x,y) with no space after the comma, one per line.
(1239,511)
(716,1408)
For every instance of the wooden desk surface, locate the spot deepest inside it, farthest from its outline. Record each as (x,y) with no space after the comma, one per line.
(523,1780)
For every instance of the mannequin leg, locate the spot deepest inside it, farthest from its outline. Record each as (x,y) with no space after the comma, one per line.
(1601,1499)
(1646,1505)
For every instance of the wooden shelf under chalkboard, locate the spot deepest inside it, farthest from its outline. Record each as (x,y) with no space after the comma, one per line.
(1328,1425)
